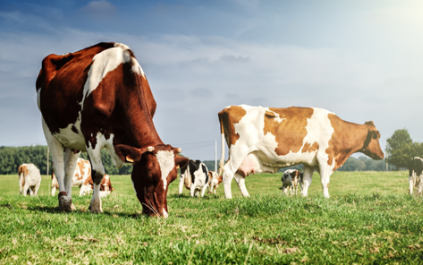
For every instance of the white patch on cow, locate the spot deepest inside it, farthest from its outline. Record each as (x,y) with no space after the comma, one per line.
(103,63)
(167,163)
(69,138)
(165,214)
(315,133)
(200,177)
(136,67)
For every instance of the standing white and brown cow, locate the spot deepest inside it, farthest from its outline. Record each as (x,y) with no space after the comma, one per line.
(266,139)
(291,180)
(29,179)
(99,97)
(415,177)
(214,181)
(195,177)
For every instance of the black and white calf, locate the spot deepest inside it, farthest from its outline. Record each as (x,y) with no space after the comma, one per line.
(415,177)
(195,177)
(291,179)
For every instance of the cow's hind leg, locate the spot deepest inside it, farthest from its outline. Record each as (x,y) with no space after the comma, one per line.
(204,190)
(240,180)
(325,178)
(308,175)
(56,149)
(70,164)
(192,190)
(37,187)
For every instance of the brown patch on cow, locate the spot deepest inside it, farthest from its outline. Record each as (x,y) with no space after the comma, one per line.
(24,171)
(346,139)
(228,118)
(290,132)
(310,148)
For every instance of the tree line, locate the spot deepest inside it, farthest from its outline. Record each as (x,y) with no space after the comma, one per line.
(12,157)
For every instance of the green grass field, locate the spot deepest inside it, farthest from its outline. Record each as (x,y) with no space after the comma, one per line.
(369,219)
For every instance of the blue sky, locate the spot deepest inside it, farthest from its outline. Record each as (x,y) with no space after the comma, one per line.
(362,60)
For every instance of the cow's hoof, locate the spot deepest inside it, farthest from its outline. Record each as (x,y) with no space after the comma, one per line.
(65,204)
(96,207)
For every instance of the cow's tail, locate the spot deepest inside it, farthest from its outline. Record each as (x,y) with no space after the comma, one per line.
(222,155)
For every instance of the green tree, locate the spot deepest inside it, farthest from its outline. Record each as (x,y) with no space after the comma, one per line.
(400,148)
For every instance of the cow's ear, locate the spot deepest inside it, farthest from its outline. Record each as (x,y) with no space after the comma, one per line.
(181,161)
(128,153)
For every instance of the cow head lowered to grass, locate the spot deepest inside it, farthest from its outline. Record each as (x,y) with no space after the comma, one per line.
(154,169)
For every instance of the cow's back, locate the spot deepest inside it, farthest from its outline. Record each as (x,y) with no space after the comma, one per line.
(60,85)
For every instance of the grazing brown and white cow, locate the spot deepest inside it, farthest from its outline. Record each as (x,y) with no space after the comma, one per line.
(214,181)
(29,179)
(291,179)
(98,98)
(265,139)
(82,179)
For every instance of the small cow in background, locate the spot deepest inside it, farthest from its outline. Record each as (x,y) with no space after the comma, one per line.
(29,179)
(82,179)
(291,179)
(105,186)
(195,177)
(415,177)
(214,181)
(81,173)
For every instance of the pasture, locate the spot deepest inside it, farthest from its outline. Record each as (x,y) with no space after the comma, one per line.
(368,219)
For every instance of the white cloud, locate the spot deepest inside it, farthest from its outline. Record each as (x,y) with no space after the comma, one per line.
(99,9)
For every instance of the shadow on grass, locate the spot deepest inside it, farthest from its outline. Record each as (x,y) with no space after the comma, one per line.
(55,210)
(187,196)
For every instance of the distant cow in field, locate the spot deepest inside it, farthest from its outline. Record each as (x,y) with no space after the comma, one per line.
(195,177)
(80,175)
(266,139)
(415,177)
(96,98)
(82,179)
(29,179)
(105,186)
(291,179)
(214,181)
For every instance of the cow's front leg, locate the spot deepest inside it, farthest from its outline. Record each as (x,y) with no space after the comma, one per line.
(420,185)
(308,176)
(411,183)
(97,173)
